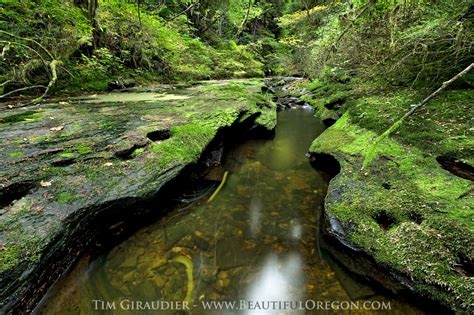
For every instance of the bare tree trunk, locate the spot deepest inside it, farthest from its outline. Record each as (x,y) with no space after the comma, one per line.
(244,21)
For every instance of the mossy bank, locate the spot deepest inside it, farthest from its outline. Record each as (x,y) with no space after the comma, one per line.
(407,210)
(72,167)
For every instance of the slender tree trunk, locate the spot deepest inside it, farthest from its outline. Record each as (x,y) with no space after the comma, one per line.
(244,21)
(91,7)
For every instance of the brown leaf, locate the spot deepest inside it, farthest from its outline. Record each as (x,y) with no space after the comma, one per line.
(58,128)
(45,183)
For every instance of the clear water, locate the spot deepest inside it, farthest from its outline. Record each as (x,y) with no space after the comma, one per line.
(256,241)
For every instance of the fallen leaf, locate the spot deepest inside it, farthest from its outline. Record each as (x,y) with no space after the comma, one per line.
(63,103)
(58,128)
(108,164)
(37,208)
(45,183)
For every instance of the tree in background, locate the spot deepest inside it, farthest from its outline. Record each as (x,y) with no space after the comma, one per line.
(94,41)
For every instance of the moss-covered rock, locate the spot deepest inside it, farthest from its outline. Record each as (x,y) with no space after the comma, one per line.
(66,164)
(407,212)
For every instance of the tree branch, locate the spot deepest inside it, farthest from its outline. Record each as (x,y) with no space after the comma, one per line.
(23,89)
(29,40)
(334,45)
(183,12)
(371,151)
(27,47)
(54,77)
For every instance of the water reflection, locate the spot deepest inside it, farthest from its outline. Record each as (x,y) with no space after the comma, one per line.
(255,214)
(280,279)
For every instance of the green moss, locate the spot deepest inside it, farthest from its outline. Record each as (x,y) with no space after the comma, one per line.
(18,243)
(432,223)
(83,149)
(138,151)
(65,198)
(193,122)
(39,139)
(185,145)
(67,155)
(16,154)
(27,115)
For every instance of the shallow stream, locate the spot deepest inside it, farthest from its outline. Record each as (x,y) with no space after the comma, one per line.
(257,241)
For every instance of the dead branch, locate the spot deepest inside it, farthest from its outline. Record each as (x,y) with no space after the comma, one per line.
(51,67)
(183,12)
(371,151)
(7,81)
(29,40)
(23,89)
(54,77)
(27,47)
(441,88)
(5,49)
(334,45)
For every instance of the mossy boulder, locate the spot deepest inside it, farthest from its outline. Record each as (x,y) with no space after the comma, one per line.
(404,209)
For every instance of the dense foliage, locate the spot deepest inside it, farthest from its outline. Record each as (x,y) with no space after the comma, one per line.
(86,44)
(405,43)
(96,42)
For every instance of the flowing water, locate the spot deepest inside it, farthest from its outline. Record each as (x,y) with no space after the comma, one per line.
(257,241)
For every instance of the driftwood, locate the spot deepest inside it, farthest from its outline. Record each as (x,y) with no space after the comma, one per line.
(371,151)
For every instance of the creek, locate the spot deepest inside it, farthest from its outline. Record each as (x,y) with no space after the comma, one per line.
(257,240)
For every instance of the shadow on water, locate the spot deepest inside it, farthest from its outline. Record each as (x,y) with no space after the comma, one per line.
(257,241)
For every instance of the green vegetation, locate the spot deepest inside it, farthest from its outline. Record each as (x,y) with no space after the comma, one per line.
(85,45)
(403,208)
(365,63)
(370,62)
(397,43)
(15,154)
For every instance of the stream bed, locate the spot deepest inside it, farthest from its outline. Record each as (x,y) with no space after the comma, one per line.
(256,241)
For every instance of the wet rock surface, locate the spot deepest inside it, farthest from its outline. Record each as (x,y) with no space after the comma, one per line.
(72,167)
(257,240)
(285,94)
